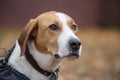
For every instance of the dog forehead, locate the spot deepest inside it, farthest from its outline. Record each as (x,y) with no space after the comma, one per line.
(64,18)
(54,17)
(48,17)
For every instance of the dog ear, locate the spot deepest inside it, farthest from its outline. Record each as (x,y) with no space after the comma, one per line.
(29,32)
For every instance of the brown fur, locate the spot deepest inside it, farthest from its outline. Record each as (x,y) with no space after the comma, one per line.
(38,31)
(25,35)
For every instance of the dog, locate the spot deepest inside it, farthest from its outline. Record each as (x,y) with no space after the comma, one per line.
(45,42)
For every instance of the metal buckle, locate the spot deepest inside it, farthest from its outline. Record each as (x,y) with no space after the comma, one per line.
(53,76)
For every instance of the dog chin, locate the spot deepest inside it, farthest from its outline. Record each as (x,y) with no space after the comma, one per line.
(69,56)
(72,58)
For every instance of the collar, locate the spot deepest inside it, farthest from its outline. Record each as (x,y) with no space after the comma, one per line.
(52,75)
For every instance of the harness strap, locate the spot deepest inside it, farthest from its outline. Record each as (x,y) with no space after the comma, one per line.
(9,52)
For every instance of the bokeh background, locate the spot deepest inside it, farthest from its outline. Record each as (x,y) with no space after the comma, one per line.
(99,31)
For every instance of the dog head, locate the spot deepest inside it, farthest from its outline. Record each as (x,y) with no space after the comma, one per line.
(53,33)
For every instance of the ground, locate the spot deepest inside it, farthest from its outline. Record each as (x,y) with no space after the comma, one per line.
(100,59)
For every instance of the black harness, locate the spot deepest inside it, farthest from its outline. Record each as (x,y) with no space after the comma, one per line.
(9,73)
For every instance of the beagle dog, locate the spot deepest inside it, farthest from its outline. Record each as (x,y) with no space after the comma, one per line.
(48,40)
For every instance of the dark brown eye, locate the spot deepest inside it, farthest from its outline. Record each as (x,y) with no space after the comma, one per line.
(74,27)
(53,27)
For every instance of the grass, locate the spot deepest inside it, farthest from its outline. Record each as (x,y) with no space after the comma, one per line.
(100,58)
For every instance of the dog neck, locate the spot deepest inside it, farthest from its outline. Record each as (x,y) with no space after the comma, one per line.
(45,61)
(20,63)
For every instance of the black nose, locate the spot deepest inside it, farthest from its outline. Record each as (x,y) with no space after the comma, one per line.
(74,44)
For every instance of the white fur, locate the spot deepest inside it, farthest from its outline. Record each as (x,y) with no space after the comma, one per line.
(23,66)
(44,60)
(65,35)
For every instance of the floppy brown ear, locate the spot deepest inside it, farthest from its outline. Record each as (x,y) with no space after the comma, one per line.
(29,32)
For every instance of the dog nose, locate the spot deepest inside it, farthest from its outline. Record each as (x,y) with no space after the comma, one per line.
(74,44)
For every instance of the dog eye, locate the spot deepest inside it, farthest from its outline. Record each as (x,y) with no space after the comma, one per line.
(74,27)
(53,27)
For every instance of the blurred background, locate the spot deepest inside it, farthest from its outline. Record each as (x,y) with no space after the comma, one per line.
(99,31)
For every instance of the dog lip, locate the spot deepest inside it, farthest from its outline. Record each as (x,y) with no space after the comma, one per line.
(72,54)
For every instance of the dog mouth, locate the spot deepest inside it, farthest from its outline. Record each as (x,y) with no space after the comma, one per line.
(71,56)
